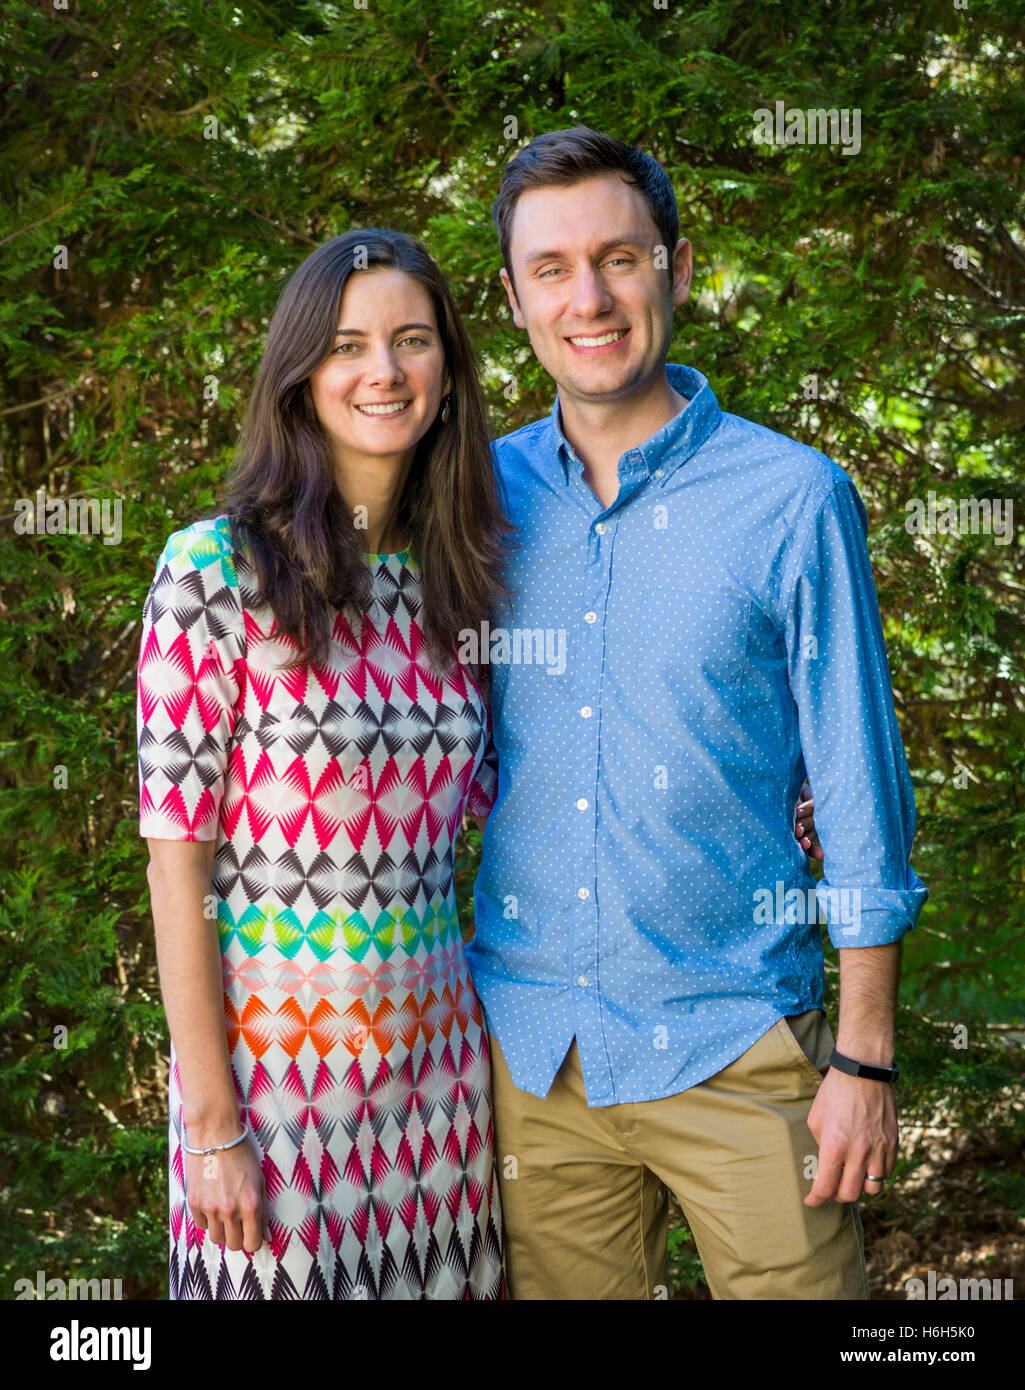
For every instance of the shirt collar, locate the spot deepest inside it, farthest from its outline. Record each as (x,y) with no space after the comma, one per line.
(678,438)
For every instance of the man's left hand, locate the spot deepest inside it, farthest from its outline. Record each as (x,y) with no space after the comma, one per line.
(854,1123)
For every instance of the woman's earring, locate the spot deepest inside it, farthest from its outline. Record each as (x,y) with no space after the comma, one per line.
(444,408)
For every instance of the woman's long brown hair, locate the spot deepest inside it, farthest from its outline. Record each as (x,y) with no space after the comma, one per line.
(281,494)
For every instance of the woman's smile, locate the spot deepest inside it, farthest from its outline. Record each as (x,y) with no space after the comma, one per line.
(384,409)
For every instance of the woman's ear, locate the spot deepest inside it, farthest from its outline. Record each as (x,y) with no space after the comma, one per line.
(446,383)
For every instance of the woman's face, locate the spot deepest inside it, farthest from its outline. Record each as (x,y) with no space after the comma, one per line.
(380,388)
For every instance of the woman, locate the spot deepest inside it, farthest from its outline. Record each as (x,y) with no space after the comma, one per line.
(308,746)
(307,749)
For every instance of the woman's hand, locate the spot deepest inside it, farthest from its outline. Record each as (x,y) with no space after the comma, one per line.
(227,1195)
(804,827)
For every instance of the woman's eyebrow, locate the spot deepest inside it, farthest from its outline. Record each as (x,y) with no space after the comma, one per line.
(402,328)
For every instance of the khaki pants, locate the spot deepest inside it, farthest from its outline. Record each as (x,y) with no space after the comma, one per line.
(584,1198)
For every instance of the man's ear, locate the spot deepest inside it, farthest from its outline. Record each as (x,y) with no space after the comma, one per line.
(683,268)
(518,318)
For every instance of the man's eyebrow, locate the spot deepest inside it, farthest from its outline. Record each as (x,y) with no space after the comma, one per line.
(628,240)
(402,328)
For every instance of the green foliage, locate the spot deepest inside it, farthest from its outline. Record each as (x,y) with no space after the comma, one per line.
(894,277)
(686,1275)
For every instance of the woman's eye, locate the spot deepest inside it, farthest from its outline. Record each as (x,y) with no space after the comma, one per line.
(350,349)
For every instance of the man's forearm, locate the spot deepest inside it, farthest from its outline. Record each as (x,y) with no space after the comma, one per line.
(854,1119)
(869,977)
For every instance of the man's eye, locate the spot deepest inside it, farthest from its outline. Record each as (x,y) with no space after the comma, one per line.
(619,260)
(552,270)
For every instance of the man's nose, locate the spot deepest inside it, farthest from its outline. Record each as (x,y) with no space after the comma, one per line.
(590,295)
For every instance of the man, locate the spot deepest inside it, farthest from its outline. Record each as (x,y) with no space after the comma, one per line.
(647,943)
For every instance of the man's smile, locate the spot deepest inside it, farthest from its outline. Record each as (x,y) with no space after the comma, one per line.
(595,343)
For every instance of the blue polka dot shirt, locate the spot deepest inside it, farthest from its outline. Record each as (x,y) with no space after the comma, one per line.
(671,668)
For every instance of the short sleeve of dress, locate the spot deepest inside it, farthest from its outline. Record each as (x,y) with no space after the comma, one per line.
(191,655)
(484,787)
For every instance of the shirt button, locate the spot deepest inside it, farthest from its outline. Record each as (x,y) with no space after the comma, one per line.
(582,804)
(583,981)
(583,892)
(590,617)
(599,527)
(660,472)
(586,712)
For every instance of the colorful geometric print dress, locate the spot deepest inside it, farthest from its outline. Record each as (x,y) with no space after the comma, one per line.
(357,1043)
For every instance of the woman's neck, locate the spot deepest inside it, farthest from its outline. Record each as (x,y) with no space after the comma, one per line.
(373,504)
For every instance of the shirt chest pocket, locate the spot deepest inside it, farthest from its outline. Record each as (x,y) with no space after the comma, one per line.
(703,655)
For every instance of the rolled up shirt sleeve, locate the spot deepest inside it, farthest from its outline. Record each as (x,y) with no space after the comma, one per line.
(840,681)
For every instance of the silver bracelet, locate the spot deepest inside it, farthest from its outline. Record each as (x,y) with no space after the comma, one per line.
(214,1147)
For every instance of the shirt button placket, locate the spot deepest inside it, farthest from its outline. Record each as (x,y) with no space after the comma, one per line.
(592,638)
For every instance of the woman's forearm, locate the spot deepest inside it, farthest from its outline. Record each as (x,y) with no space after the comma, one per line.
(189,962)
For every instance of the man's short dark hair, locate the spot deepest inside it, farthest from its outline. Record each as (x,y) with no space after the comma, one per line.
(561,158)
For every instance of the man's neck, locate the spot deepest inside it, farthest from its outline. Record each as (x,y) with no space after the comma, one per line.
(601,432)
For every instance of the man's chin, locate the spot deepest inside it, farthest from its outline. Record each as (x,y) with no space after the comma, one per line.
(600,382)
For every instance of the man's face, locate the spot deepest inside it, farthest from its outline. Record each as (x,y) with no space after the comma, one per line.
(597,308)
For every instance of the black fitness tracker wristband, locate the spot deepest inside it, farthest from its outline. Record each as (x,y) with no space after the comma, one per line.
(871,1073)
